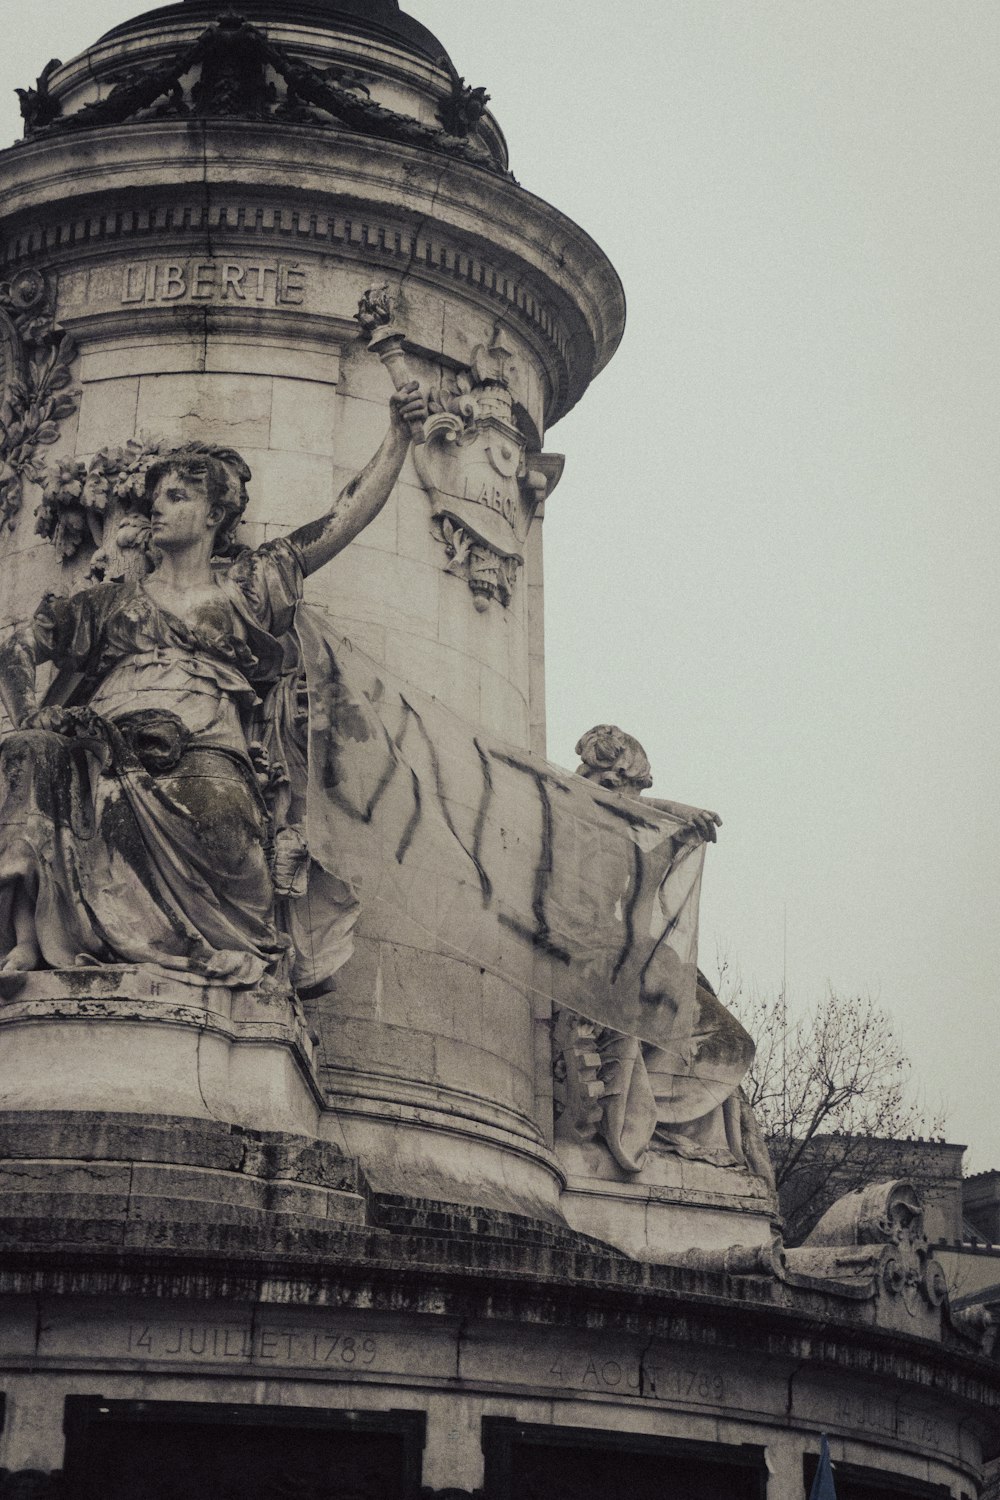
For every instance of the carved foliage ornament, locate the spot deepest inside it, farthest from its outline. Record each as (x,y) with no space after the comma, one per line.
(239,72)
(39,106)
(464,106)
(885,1220)
(35,394)
(100,504)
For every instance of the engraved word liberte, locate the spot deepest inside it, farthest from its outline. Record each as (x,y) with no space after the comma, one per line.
(279,283)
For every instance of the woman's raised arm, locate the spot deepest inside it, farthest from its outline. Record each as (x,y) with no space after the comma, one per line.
(360,501)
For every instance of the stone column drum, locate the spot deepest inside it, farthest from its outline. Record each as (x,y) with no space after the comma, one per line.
(206,267)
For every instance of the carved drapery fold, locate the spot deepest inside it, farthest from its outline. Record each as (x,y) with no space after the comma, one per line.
(609,1086)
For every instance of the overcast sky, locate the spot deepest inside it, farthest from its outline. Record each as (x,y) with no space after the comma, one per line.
(774,553)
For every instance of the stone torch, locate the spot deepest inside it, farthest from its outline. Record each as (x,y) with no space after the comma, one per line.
(374,317)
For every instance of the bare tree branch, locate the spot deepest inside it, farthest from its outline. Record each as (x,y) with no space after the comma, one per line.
(832,1093)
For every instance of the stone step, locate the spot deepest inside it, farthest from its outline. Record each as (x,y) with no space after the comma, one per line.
(121,1209)
(178,1140)
(25,1238)
(203,1186)
(428,1216)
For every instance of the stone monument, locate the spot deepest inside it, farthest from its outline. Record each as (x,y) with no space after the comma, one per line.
(366,1125)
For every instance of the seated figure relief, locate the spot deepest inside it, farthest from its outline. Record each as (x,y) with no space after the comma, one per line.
(635,1100)
(152,803)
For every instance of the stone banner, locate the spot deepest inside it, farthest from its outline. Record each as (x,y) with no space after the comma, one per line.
(531,872)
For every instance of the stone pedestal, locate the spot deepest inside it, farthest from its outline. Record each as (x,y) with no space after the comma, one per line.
(671,1206)
(135,1039)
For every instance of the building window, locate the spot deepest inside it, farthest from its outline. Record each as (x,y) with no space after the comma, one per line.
(525,1461)
(856,1483)
(186,1450)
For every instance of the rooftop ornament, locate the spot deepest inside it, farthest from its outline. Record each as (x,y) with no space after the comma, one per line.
(241,73)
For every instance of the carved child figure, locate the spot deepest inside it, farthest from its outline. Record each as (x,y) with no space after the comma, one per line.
(137,803)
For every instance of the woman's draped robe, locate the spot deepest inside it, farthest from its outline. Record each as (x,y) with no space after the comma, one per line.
(147,828)
(651,1105)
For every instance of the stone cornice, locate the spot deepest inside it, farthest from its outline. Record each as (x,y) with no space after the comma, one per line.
(434,219)
(540,1286)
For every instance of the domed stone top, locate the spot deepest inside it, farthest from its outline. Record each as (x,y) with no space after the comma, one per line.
(381,19)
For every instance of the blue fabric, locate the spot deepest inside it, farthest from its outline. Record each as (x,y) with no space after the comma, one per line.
(822,1485)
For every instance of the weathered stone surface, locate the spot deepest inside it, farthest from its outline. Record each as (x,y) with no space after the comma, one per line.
(108,412)
(553,1319)
(86,1178)
(232,409)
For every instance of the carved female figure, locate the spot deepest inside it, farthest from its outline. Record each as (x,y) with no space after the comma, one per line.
(649,1105)
(146,813)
